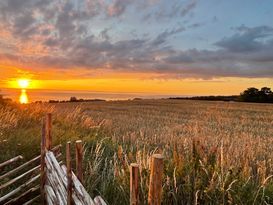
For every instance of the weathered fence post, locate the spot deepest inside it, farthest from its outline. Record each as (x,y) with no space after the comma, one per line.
(48,142)
(43,174)
(69,173)
(155,187)
(79,159)
(134,195)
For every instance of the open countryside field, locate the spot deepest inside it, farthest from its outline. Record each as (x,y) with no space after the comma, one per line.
(214,152)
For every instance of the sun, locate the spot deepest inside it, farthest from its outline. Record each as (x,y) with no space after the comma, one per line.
(23,83)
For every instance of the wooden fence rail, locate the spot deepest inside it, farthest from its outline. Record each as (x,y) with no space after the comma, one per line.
(6,163)
(25,183)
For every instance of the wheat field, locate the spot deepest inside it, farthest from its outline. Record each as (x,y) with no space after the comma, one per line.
(214,152)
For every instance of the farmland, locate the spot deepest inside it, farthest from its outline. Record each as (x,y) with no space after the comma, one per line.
(214,152)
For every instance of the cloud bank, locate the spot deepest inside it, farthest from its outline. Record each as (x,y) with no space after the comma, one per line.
(62,34)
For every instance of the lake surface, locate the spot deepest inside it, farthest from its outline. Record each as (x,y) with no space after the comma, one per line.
(45,95)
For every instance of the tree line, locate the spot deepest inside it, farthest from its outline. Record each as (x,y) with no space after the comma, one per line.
(264,95)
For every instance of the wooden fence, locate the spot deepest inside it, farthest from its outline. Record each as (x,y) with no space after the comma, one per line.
(59,185)
(21,184)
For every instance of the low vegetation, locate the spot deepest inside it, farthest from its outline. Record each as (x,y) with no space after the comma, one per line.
(264,95)
(215,152)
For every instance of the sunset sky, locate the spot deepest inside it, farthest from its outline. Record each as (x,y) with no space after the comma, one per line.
(168,47)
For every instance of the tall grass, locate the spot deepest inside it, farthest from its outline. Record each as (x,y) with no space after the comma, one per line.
(215,153)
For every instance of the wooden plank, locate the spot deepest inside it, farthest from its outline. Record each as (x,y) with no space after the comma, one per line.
(19,177)
(30,202)
(51,198)
(59,175)
(134,195)
(79,159)
(58,179)
(17,199)
(69,173)
(10,161)
(19,189)
(156,175)
(55,149)
(55,178)
(54,193)
(79,190)
(99,201)
(22,175)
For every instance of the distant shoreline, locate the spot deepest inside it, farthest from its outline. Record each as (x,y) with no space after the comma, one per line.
(262,96)
(210,98)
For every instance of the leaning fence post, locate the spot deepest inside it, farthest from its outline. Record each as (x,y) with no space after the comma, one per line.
(155,187)
(43,174)
(48,142)
(134,196)
(79,159)
(69,173)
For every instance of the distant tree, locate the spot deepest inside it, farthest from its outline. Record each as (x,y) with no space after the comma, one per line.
(252,94)
(251,91)
(73,99)
(266,90)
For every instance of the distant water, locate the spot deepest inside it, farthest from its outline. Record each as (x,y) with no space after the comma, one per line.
(45,95)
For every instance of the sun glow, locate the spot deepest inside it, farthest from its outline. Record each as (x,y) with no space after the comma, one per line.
(23,83)
(23,97)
